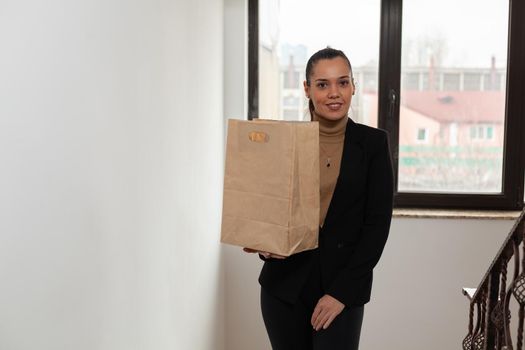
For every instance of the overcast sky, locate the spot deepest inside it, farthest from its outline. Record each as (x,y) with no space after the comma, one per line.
(474,30)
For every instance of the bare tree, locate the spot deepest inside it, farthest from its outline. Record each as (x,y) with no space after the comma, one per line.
(418,51)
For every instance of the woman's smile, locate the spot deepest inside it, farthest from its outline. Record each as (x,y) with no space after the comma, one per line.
(336,106)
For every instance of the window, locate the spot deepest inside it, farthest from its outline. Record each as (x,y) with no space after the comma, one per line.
(291,101)
(287,39)
(291,114)
(482,132)
(472,81)
(451,100)
(450,81)
(491,81)
(422,134)
(490,132)
(411,81)
(291,77)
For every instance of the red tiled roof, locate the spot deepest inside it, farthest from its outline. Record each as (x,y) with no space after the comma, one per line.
(457,106)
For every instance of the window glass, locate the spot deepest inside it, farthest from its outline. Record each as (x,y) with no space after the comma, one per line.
(490,132)
(472,81)
(458,97)
(451,81)
(288,36)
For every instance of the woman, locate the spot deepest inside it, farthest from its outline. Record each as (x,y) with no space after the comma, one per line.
(315,299)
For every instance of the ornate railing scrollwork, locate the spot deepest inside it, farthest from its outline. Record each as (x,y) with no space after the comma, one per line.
(490,302)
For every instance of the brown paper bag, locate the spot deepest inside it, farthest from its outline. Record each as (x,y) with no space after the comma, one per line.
(271,186)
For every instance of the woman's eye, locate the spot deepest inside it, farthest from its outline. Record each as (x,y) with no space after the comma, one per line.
(321,85)
(344,82)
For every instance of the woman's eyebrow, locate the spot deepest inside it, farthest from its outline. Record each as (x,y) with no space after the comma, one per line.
(341,77)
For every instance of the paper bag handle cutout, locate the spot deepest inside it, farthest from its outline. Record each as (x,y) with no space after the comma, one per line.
(258,136)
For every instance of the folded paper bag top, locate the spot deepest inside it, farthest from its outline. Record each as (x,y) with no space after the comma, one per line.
(271,186)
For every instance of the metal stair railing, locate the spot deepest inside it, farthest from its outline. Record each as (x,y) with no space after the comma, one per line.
(489,303)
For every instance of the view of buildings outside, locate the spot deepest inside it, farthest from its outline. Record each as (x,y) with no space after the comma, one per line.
(452,82)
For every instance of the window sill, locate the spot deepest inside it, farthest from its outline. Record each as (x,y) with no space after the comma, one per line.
(455,214)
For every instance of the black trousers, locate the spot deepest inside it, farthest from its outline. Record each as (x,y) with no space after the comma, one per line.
(289,328)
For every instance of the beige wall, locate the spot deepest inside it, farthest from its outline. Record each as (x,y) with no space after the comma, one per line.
(416,298)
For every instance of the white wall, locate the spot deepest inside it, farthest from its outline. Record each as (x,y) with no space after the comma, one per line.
(111,148)
(235,59)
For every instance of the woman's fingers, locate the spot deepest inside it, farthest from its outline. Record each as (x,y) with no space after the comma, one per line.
(329,321)
(250,250)
(265,254)
(319,315)
(324,319)
(321,319)
(315,314)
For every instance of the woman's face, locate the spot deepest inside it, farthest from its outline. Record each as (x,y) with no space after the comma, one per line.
(331,88)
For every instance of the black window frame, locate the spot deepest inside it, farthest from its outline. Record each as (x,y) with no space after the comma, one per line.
(511,197)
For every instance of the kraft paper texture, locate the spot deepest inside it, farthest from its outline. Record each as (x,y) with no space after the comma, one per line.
(271,186)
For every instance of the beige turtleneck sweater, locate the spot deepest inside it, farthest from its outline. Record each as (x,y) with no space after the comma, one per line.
(331,141)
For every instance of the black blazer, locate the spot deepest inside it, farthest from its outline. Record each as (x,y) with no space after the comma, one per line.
(355,229)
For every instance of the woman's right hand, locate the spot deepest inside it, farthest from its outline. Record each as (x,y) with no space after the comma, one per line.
(265,254)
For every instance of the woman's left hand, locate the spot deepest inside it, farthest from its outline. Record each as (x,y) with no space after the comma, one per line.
(326,311)
(265,254)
